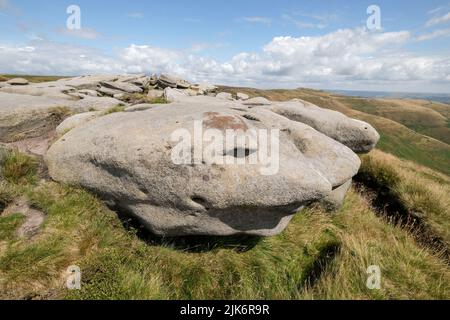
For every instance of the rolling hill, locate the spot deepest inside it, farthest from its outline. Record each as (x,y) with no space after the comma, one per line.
(414,130)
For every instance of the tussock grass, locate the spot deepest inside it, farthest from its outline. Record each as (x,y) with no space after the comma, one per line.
(114,109)
(9,225)
(422,191)
(408,271)
(33,79)
(19,168)
(139,98)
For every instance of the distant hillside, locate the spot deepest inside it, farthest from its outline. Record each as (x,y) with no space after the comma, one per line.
(32,79)
(415,130)
(438,97)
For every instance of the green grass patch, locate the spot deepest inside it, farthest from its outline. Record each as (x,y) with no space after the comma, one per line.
(318,256)
(114,109)
(30,78)
(139,98)
(19,168)
(9,225)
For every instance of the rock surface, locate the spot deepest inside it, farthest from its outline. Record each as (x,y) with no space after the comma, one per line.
(242,96)
(357,135)
(225,96)
(18,82)
(258,101)
(140,107)
(126,159)
(334,201)
(25,116)
(153,93)
(76,121)
(122,86)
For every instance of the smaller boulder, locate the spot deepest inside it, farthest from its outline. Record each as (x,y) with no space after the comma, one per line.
(153,81)
(258,101)
(154,93)
(183,84)
(175,95)
(225,96)
(204,88)
(166,81)
(242,96)
(76,121)
(18,82)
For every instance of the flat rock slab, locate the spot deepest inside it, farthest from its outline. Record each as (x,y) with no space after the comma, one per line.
(122,86)
(53,90)
(25,116)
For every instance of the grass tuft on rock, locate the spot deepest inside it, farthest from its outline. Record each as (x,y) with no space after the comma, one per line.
(114,109)
(139,98)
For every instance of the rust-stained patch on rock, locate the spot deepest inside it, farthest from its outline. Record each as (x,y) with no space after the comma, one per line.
(214,120)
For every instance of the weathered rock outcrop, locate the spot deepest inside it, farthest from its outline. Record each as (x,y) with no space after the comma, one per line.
(126,158)
(25,116)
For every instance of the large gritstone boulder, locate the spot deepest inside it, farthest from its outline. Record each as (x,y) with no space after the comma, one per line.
(165,166)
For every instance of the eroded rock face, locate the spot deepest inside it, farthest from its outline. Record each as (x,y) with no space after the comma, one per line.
(127,159)
(25,116)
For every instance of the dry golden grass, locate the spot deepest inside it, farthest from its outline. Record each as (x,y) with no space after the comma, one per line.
(32,79)
(408,270)
(423,191)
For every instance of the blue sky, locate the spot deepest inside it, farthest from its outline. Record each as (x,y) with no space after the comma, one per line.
(320,44)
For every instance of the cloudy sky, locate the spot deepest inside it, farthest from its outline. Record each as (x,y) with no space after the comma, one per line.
(278,44)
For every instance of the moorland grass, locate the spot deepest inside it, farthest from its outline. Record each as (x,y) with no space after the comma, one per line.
(318,256)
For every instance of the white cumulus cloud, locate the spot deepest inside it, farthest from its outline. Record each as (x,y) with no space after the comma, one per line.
(343,58)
